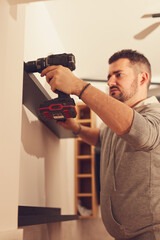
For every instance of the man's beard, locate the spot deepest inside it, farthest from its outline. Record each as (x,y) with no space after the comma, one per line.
(123,96)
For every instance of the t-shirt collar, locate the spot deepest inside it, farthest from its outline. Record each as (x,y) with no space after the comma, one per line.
(146,101)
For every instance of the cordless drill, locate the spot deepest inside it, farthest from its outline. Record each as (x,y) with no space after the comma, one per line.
(63,106)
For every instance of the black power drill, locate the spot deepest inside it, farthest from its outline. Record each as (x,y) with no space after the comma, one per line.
(63,106)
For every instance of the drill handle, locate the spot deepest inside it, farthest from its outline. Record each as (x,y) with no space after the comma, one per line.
(62,94)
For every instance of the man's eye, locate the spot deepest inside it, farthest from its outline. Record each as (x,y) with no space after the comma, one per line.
(118,75)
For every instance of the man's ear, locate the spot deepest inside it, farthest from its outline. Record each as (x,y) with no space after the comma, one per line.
(144,78)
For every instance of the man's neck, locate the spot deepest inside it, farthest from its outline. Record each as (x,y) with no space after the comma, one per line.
(132,104)
(137,103)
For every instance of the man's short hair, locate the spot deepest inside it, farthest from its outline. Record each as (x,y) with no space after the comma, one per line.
(134,58)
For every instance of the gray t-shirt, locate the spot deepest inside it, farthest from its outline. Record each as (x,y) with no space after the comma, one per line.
(130,174)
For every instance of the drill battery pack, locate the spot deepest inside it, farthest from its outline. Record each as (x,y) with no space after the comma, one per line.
(59,109)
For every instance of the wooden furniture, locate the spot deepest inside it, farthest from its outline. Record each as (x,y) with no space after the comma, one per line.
(85,186)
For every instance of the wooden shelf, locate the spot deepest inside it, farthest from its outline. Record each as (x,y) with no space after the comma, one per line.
(84,194)
(84,121)
(84,217)
(33,95)
(85,186)
(83,157)
(84,175)
(40,215)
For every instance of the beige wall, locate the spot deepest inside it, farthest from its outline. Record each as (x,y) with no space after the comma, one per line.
(47,162)
(11,68)
(86,229)
(46,168)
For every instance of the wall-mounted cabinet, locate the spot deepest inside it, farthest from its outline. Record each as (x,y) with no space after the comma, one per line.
(85,183)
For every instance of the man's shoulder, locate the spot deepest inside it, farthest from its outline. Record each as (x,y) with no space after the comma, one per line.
(150,108)
(149,105)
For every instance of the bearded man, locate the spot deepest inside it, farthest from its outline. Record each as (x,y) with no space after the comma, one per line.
(129,141)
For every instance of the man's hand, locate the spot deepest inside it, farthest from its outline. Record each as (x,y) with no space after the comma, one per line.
(89,135)
(62,79)
(69,124)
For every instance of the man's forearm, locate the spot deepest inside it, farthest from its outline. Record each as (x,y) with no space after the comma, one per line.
(89,135)
(115,114)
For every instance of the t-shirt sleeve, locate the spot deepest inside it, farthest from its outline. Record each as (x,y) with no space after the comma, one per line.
(145,131)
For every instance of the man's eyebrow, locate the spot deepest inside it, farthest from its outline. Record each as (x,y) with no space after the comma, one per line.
(115,72)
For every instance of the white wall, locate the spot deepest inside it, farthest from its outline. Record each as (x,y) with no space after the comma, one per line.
(11,77)
(11,68)
(47,163)
(46,170)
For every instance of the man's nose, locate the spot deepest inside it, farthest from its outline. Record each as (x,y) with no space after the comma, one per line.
(112,81)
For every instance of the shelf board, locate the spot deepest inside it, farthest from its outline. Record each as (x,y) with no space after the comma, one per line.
(41,215)
(84,157)
(84,194)
(84,175)
(89,216)
(84,120)
(33,95)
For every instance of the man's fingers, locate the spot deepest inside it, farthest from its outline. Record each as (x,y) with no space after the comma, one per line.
(52,84)
(49,76)
(48,69)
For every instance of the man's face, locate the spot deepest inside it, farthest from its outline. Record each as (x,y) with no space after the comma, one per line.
(122,80)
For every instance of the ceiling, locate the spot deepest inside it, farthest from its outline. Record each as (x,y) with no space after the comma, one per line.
(94,29)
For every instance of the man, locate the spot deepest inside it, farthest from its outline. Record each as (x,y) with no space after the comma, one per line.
(130,143)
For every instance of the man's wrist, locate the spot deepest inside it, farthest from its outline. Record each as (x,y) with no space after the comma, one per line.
(83,89)
(77,131)
(80,85)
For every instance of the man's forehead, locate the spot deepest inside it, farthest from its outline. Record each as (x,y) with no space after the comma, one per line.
(120,64)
